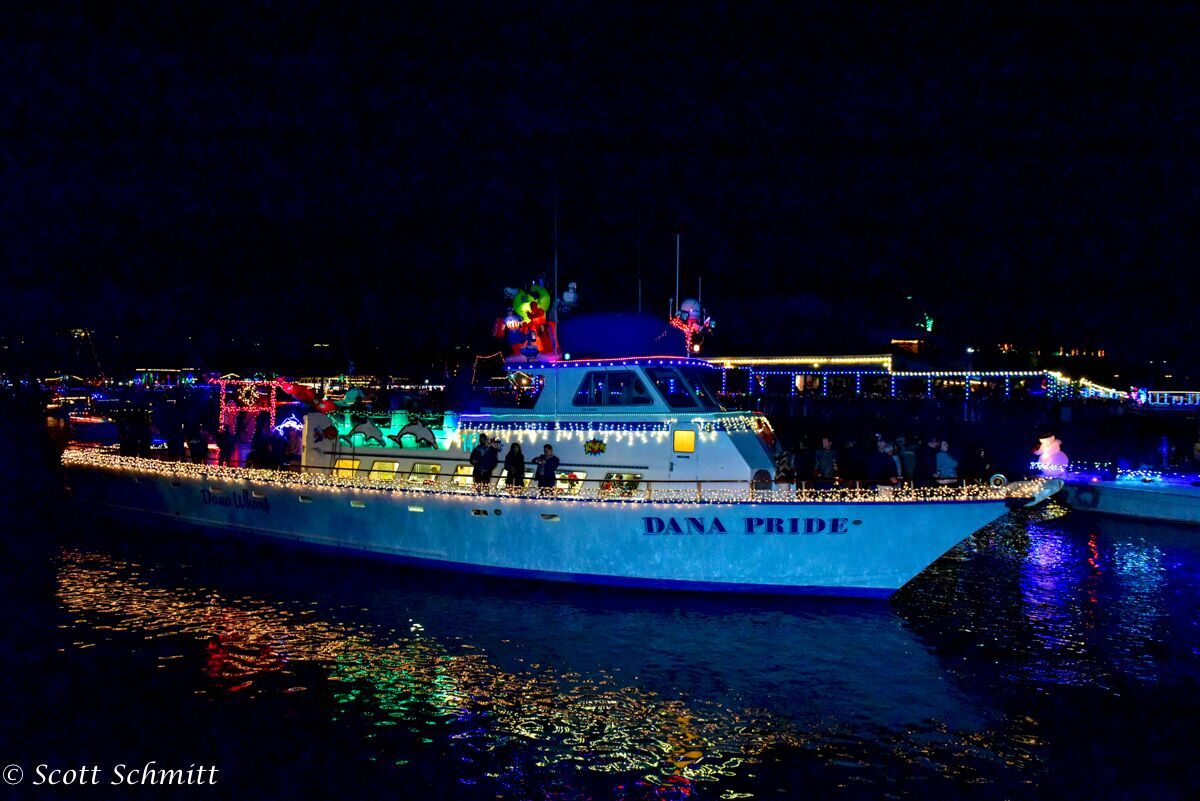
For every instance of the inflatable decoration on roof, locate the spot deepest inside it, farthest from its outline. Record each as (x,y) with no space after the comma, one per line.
(529,326)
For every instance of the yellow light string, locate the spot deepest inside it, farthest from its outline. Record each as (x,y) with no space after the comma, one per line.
(678,494)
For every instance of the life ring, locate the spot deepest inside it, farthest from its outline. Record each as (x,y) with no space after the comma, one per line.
(998,480)
(1086,498)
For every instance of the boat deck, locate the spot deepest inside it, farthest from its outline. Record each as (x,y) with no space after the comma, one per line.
(677,492)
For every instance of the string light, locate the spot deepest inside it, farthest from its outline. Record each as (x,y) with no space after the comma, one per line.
(684,494)
(635,361)
(249,398)
(1096,470)
(882,360)
(1058,386)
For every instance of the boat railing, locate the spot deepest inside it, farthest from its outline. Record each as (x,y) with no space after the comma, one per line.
(570,487)
(648,489)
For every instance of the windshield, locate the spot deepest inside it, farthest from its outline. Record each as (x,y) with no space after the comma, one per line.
(671,387)
(517,391)
(703,383)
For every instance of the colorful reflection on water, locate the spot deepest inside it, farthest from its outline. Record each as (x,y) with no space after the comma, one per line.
(992,675)
(419,682)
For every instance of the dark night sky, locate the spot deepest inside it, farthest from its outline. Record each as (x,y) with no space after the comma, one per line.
(372,175)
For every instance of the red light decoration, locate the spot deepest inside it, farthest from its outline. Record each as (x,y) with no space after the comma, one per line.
(686,328)
(695,326)
(248,398)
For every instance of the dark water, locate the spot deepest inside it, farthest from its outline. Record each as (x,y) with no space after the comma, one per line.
(1051,656)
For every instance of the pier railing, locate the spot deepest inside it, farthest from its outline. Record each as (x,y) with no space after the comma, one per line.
(568,488)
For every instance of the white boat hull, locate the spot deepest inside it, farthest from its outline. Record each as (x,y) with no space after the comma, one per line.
(1175,502)
(835,548)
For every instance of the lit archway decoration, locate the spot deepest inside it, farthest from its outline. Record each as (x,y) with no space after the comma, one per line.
(249,396)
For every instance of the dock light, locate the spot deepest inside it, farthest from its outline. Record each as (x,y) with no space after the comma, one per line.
(970,350)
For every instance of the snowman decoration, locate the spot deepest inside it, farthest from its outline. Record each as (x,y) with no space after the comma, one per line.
(1050,454)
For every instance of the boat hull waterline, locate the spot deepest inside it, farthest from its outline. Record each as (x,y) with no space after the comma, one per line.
(826,548)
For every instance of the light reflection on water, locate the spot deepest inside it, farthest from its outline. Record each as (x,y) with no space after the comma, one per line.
(534,691)
(1079,601)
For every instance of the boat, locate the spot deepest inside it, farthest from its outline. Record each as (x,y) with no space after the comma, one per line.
(92,428)
(1143,494)
(86,413)
(658,486)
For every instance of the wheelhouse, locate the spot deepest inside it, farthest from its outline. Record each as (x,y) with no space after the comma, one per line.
(611,422)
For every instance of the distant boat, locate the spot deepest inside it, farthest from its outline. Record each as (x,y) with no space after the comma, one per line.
(92,428)
(1148,495)
(658,486)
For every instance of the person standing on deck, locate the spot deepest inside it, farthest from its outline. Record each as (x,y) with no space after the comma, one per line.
(198,445)
(926,466)
(547,469)
(225,443)
(476,459)
(947,465)
(898,475)
(514,466)
(488,461)
(826,460)
(908,459)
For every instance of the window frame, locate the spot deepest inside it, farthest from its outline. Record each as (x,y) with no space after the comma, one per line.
(692,403)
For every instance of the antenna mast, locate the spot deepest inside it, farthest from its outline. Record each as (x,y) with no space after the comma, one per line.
(554,303)
(639,275)
(676,271)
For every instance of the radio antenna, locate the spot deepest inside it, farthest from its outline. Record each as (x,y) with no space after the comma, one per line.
(676,271)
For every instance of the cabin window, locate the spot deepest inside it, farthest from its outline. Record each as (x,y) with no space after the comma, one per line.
(384,471)
(626,389)
(620,483)
(571,481)
(612,388)
(346,468)
(685,440)
(703,383)
(462,475)
(424,472)
(591,390)
(672,387)
(519,391)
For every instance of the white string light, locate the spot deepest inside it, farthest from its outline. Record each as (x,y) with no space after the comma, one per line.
(672,494)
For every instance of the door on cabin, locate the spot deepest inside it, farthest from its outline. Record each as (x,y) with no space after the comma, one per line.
(685,461)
